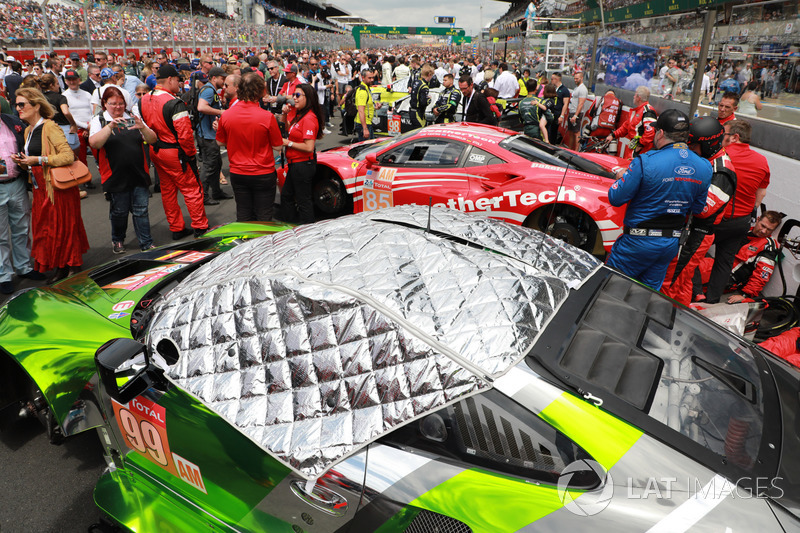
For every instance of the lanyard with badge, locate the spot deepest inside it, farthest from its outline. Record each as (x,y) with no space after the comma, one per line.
(466,106)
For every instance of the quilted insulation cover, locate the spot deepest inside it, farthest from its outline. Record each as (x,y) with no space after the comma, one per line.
(316,341)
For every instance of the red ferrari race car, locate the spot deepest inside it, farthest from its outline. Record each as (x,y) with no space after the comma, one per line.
(475,168)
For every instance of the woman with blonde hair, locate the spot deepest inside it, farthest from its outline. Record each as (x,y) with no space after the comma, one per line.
(59,238)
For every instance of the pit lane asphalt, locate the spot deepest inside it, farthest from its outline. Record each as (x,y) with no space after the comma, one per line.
(47,488)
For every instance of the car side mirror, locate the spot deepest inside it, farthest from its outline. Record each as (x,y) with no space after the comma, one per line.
(372,160)
(124,369)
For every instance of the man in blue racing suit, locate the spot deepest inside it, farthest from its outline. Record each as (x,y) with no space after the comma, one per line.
(661,187)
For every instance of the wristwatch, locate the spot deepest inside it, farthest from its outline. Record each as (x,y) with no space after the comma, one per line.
(290,144)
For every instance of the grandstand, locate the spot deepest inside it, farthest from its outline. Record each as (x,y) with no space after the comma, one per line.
(151,24)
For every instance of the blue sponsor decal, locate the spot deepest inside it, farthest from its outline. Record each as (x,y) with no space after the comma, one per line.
(114,316)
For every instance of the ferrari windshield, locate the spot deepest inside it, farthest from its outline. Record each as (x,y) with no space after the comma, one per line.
(360,151)
(540,152)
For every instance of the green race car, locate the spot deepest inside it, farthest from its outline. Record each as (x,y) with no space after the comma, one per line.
(406,370)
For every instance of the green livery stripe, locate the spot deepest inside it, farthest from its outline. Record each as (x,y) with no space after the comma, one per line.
(492,502)
(503,504)
(605,437)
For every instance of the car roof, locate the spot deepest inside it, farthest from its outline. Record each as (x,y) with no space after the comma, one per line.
(318,340)
(467,132)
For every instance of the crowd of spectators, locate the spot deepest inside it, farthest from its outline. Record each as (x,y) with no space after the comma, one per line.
(22,23)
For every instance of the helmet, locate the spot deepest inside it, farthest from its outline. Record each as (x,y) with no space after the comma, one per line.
(708,133)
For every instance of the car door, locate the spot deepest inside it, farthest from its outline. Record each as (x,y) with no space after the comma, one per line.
(420,171)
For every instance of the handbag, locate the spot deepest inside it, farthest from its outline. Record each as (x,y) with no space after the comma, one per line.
(69,176)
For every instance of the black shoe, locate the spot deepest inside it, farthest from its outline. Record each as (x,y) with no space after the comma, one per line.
(198,232)
(223,196)
(33,275)
(6,287)
(210,201)
(178,235)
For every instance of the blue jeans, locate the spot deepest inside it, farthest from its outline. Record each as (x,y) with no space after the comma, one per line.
(134,202)
(15,224)
(360,132)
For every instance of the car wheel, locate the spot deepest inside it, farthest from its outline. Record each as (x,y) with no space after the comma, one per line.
(330,196)
(569,224)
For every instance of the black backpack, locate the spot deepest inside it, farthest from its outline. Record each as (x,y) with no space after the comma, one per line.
(191,98)
(350,109)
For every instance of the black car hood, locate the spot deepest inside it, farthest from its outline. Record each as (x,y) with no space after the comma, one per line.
(785,488)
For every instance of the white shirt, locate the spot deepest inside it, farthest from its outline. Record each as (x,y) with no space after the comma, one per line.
(706,85)
(343,72)
(80,106)
(506,85)
(401,71)
(439,73)
(98,94)
(579,92)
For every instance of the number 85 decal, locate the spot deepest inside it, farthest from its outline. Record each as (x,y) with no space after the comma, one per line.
(377,199)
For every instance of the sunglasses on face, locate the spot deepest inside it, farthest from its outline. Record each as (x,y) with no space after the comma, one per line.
(20,105)
(298,95)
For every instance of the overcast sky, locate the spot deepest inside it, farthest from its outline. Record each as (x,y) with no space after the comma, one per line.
(421,12)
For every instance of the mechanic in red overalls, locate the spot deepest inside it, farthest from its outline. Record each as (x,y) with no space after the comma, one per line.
(639,126)
(174,154)
(754,262)
(705,138)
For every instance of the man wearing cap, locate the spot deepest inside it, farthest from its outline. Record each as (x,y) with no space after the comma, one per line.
(77,66)
(288,89)
(174,154)
(661,188)
(80,105)
(210,108)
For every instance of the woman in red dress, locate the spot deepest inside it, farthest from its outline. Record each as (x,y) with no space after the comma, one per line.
(59,238)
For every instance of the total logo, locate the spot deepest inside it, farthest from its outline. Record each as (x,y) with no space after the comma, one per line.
(511,199)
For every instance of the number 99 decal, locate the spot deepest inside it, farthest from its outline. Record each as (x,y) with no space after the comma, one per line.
(144,429)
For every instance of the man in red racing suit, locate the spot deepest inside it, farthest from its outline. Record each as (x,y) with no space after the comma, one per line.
(174,154)
(639,126)
(786,346)
(754,262)
(705,138)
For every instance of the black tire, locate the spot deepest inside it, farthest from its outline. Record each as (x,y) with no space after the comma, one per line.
(569,224)
(330,196)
